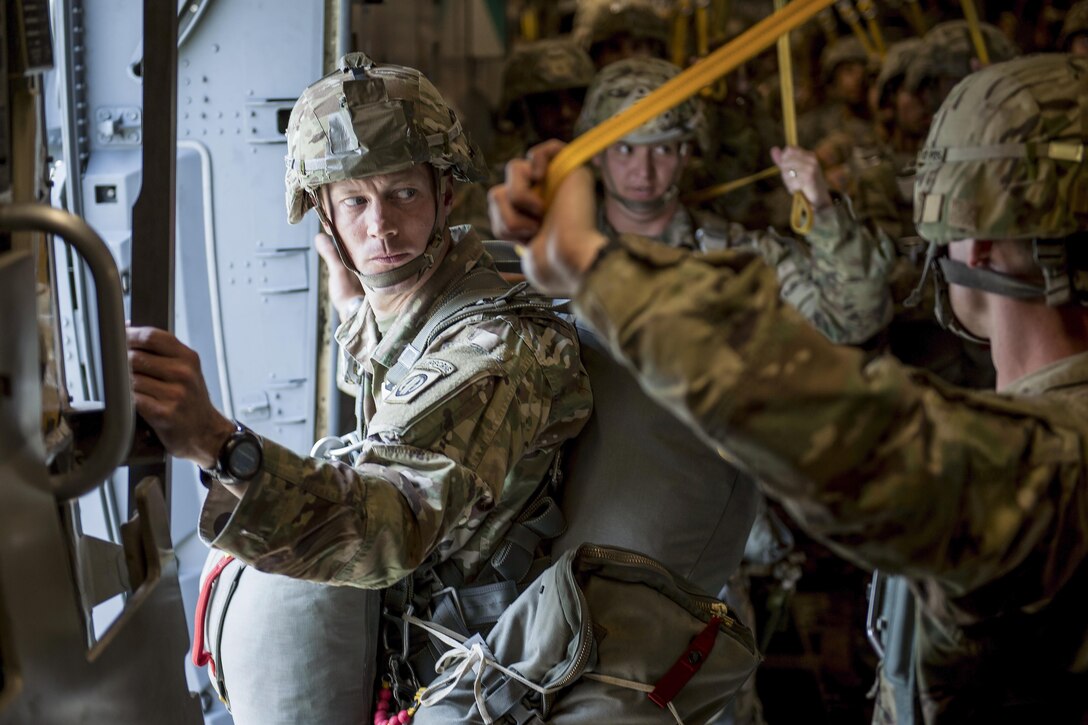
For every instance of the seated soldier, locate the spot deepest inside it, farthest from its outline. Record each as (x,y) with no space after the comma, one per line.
(457,429)
(978,498)
(639,178)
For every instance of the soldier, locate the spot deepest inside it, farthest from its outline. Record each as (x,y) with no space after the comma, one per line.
(844,74)
(978,498)
(1074,35)
(898,112)
(639,178)
(613,31)
(543,87)
(457,430)
(544,84)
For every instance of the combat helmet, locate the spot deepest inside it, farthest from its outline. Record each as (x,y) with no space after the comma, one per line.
(843,50)
(947,51)
(367,118)
(545,65)
(595,25)
(1076,23)
(894,67)
(620,84)
(1005,159)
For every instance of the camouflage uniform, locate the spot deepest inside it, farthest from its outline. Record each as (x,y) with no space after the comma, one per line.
(837,279)
(978,498)
(449,457)
(442,461)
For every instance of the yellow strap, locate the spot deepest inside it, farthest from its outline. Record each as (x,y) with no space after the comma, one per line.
(914,15)
(702,28)
(744,47)
(971,14)
(680,34)
(868,11)
(703,12)
(713,192)
(719,11)
(850,15)
(530,24)
(801,211)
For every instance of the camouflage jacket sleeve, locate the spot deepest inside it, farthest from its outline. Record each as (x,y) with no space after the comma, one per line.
(838,279)
(469,440)
(891,467)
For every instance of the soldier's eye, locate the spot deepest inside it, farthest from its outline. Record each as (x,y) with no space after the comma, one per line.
(405,194)
(624,149)
(354,201)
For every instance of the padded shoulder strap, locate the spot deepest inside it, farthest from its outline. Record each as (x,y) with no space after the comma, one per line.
(482,291)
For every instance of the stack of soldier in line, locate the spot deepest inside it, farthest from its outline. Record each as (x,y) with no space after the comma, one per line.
(949,205)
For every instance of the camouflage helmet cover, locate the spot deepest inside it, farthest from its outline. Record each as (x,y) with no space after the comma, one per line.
(624,82)
(895,64)
(1076,22)
(602,21)
(843,50)
(368,118)
(1005,154)
(545,65)
(948,51)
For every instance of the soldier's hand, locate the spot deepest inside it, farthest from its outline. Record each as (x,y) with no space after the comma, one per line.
(170,394)
(801,172)
(516,206)
(344,285)
(568,241)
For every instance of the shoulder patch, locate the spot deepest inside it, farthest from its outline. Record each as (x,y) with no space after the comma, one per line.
(413,384)
(422,375)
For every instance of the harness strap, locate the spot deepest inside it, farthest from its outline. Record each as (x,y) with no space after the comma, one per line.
(542,521)
(475,287)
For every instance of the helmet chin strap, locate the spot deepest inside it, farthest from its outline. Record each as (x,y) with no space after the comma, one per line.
(416,267)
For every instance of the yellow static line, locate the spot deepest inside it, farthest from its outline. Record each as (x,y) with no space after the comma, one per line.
(971,14)
(713,192)
(801,213)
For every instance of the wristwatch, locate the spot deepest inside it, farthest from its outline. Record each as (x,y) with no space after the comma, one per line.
(240,457)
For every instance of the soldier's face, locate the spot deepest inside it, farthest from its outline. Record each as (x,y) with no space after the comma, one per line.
(911,115)
(553,113)
(385,220)
(850,83)
(644,172)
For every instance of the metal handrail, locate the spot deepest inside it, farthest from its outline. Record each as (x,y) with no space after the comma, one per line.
(118,418)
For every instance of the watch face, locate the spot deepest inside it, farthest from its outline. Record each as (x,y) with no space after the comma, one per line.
(245,459)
